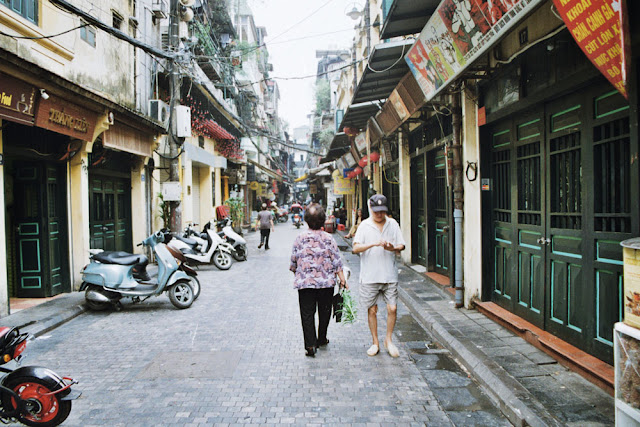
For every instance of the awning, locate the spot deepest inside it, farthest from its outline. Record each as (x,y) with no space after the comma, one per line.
(339,145)
(385,69)
(266,170)
(216,131)
(357,115)
(407,17)
(200,155)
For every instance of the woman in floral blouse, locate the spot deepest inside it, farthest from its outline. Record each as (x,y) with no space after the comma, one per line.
(315,261)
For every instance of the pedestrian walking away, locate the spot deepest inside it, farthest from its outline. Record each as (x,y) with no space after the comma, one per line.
(265,222)
(378,239)
(315,261)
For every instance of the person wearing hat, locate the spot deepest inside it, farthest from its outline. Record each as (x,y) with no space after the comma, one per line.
(378,240)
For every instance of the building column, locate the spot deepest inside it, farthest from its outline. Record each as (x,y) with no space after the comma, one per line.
(472,224)
(404,167)
(206,197)
(187,192)
(156,190)
(218,186)
(138,198)
(4,282)
(79,214)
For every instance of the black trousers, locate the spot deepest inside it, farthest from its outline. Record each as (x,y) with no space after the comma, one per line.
(309,300)
(264,236)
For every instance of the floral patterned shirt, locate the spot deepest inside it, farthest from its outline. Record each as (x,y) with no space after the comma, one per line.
(315,260)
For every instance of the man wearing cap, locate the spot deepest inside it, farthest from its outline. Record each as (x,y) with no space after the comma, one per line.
(378,240)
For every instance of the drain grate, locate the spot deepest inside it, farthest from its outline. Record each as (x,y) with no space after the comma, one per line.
(218,364)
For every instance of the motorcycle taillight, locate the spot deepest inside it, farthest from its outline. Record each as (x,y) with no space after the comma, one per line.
(19,349)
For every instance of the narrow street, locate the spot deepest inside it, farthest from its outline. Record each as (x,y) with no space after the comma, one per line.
(236,357)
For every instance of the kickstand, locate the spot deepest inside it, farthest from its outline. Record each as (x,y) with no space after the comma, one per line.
(118,306)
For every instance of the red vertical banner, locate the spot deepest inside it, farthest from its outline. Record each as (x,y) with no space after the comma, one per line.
(601,30)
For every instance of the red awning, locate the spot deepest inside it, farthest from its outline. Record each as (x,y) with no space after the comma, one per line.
(216,131)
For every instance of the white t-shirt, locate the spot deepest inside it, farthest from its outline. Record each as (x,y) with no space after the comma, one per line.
(378,265)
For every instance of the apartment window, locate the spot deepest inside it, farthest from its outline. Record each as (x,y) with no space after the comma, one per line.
(26,8)
(201,141)
(88,34)
(117,20)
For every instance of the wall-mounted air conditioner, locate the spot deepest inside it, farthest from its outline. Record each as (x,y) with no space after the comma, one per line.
(160,9)
(159,111)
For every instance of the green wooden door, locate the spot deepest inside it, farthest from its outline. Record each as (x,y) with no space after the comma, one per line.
(41,238)
(110,213)
(418,211)
(438,199)
(562,185)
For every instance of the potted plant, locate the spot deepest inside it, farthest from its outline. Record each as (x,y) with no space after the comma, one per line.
(236,212)
(164,212)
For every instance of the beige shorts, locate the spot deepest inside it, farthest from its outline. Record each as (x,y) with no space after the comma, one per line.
(369,293)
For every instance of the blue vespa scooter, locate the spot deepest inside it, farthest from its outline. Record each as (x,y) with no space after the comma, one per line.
(109,277)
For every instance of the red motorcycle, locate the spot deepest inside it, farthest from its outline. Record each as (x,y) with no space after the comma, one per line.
(32,395)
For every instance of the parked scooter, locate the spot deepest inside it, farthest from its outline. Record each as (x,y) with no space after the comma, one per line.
(238,243)
(32,395)
(204,248)
(109,278)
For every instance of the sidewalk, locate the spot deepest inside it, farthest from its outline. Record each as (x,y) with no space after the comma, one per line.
(44,317)
(529,386)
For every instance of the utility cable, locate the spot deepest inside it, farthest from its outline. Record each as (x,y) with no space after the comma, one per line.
(44,37)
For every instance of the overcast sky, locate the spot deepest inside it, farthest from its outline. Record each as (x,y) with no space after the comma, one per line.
(292,51)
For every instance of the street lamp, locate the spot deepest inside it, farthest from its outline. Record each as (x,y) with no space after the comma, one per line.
(354,13)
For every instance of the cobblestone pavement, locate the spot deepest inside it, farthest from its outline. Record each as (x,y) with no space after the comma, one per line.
(237,357)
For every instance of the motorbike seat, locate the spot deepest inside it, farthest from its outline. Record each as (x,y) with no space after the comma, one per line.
(188,241)
(120,258)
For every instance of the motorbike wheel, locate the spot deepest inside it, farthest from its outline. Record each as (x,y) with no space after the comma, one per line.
(222,260)
(95,305)
(40,409)
(181,294)
(240,254)
(195,285)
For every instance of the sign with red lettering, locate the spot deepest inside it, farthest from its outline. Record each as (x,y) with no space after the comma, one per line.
(598,28)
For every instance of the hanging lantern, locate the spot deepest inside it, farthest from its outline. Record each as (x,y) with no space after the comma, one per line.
(350,131)
(357,171)
(374,157)
(363,162)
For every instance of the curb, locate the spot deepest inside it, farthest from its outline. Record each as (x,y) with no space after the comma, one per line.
(47,324)
(509,395)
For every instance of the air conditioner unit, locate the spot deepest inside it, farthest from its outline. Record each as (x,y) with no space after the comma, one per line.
(159,9)
(159,111)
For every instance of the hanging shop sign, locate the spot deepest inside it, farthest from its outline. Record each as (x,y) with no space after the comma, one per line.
(313,188)
(254,185)
(346,172)
(398,104)
(457,34)
(343,186)
(601,32)
(66,118)
(17,100)
(349,159)
(361,142)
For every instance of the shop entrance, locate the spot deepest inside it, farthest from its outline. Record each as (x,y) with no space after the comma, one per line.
(561,202)
(110,213)
(40,229)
